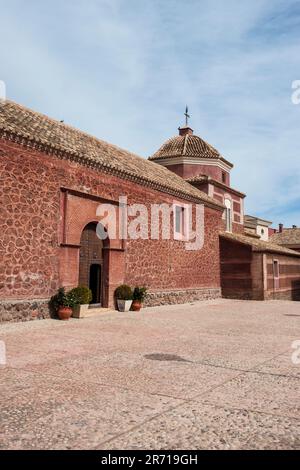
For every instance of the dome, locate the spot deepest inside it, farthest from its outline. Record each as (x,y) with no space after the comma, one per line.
(186,144)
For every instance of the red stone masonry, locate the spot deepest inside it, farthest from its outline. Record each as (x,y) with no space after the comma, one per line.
(36,259)
(250,274)
(186,171)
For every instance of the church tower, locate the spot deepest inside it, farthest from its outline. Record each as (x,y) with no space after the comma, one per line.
(189,156)
(200,164)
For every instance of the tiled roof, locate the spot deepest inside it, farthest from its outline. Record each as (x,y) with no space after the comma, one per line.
(258,245)
(35,130)
(199,179)
(289,236)
(189,145)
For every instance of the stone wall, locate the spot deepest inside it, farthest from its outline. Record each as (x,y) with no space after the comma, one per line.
(288,284)
(28,310)
(249,275)
(37,257)
(22,310)
(283,295)
(236,264)
(183,296)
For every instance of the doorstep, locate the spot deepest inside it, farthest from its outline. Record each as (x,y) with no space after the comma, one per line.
(87,311)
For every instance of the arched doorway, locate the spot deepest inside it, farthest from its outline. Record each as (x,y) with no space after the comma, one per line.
(91,264)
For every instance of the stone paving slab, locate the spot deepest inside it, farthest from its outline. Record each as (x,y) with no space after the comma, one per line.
(177,380)
(215,374)
(281,365)
(77,416)
(259,392)
(194,426)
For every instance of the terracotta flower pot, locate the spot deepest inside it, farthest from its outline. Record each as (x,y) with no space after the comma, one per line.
(64,313)
(136,306)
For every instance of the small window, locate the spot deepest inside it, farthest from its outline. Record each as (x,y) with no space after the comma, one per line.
(276,268)
(223,177)
(180,221)
(276,274)
(262,231)
(228,215)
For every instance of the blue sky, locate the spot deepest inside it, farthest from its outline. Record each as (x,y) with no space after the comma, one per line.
(124,71)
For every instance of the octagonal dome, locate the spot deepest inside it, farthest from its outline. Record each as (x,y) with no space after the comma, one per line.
(186,144)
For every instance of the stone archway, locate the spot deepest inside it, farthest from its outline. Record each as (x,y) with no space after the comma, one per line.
(78,211)
(92,265)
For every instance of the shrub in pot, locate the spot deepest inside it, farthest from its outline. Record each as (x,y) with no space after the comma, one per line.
(84,297)
(123,295)
(139,295)
(63,303)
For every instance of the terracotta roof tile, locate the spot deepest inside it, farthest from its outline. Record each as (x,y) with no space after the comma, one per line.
(58,138)
(189,146)
(289,236)
(258,245)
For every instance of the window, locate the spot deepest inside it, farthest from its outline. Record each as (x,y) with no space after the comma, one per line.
(180,221)
(276,273)
(223,177)
(228,215)
(262,231)
(276,268)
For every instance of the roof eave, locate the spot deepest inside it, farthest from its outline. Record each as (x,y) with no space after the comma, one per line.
(183,155)
(287,252)
(227,162)
(272,250)
(38,144)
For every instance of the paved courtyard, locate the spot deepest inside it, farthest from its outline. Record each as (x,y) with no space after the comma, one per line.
(211,375)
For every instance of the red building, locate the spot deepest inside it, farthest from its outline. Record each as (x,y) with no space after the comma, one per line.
(53,180)
(202,166)
(250,268)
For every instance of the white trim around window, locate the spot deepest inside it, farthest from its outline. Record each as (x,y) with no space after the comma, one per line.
(181,221)
(228,214)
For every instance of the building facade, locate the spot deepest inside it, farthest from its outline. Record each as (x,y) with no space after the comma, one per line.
(258,226)
(252,268)
(202,166)
(54,179)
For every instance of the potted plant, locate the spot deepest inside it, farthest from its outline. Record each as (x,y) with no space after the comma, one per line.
(84,297)
(63,303)
(139,295)
(123,295)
